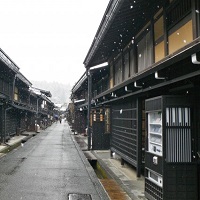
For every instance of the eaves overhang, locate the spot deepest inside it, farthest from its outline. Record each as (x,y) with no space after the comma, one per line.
(122,21)
(170,60)
(79,83)
(97,74)
(39,91)
(23,79)
(8,62)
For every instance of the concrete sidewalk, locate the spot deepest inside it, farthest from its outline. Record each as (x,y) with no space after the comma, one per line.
(15,142)
(125,175)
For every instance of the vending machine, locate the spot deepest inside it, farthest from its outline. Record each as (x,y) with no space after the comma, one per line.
(170,169)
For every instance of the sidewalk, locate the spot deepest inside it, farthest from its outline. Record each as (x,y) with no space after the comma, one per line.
(15,142)
(124,175)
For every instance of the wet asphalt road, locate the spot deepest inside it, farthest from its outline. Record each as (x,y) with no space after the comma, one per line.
(48,166)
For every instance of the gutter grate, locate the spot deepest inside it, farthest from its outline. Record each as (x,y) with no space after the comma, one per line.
(79,197)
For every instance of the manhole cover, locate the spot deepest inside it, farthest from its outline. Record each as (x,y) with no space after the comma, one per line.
(79,197)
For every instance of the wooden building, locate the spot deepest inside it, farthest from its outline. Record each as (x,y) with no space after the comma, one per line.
(150,92)
(20,107)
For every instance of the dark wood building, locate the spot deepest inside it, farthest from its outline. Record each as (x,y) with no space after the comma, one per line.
(151,91)
(20,107)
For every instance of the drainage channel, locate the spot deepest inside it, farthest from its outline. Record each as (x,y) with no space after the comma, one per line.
(113,189)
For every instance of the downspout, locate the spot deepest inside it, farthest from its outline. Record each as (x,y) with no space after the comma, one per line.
(13,94)
(194,59)
(89,76)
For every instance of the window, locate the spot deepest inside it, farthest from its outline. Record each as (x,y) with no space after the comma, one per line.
(43,104)
(144,52)
(16,94)
(158,28)
(180,37)
(159,39)
(126,66)
(118,71)
(133,66)
(107,120)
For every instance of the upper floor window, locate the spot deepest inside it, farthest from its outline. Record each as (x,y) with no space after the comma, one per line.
(159,38)
(180,37)
(111,76)
(133,64)
(16,94)
(144,52)
(126,66)
(44,104)
(118,71)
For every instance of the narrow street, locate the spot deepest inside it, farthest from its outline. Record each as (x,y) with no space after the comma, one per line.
(48,166)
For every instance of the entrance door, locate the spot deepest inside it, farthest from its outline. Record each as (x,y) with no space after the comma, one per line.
(100,139)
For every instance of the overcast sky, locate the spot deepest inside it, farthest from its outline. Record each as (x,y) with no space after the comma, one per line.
(49,39)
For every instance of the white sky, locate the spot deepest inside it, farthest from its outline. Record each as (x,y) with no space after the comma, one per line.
(49,39)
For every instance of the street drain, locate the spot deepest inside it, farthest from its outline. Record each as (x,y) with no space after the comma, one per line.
(100,172)
(80,197)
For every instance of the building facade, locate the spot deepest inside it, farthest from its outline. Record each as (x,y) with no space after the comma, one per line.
(20,107)
(148,99)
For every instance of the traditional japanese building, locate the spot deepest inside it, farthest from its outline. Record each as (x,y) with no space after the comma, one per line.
(149,97)
(20,107)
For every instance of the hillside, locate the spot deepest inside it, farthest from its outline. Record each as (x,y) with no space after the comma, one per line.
(60,92)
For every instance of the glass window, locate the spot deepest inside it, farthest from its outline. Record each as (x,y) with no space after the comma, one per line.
(159,51)
(126,65)
(144,49)
(159,39)
(133,67)
(181,37)
(16,94)
(107,120)
(158,28)
(118,71)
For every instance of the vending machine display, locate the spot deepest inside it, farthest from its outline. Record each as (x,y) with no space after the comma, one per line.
(170,170)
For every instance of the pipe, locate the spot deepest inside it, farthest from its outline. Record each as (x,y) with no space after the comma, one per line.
(137,86)
(126,89)
(157,77)
(194,59)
